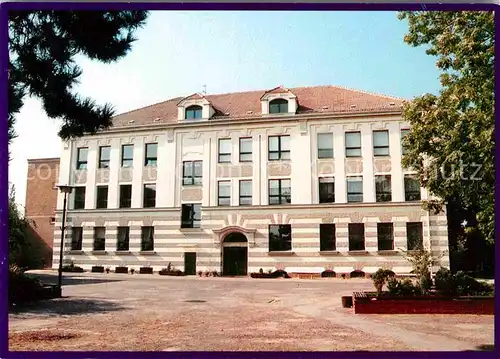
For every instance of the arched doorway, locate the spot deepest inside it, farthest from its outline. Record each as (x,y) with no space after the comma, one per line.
(234,254)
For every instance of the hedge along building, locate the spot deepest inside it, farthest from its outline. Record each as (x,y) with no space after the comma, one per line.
(299,179)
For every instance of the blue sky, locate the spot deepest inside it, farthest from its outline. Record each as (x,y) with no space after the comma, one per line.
(179,52)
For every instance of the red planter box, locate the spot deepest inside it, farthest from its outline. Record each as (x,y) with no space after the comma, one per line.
(424,305)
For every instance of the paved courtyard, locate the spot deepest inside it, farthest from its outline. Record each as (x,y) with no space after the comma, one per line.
(157,313)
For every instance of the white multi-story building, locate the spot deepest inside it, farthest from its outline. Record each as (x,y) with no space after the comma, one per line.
(302,179)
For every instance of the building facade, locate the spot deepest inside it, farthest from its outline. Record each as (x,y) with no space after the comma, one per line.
(302,179)
(41,200)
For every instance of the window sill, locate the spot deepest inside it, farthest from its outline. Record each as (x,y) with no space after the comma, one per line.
(75,251)
(122,253)
(329,253)
(99,253)
(388,252)
(147,253)
(194,230)
(279,160)
(280,254)
(359,253)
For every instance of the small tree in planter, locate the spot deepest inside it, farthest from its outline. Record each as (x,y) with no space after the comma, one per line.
(380,278)
(422,262)
(108,269)
(132,270)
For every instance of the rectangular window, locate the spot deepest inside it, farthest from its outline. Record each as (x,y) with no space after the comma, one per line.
(79,198)
(385,236)
(279,148)
(225,150)
(381,143)
(224,193)
(412,188)
(325,145)
(104,154)
(127,155)
(326,190)
(354,189)
(81,158)
(414,236)
(327,237)
(280,191)
(125,196)
(99,238)
(404,149)
(147,239)
(246,149)
(280,238)
(151,157)
(356,236)
(76,238)
(123,239)
(102,197)
(192,173)
(245,193)
(383,190)
(353,144)
(191,215)
(149,196)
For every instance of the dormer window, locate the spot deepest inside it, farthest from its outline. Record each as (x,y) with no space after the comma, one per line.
(278,106)
(194,112)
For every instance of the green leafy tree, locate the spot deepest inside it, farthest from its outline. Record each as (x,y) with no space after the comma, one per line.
(452,141)
(42,47)
(17,228)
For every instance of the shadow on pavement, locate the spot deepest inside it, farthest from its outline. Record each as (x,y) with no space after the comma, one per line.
(67,279)
(485,348)
(65,306)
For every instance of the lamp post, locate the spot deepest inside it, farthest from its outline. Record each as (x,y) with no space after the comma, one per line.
(65,189)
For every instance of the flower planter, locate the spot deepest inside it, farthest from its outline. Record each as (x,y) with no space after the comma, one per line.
(328,274)
(276,274)
(73,269)
(121,270)
(97,269)
(145,270)
(369,303)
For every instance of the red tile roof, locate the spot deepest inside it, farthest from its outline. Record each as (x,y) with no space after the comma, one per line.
(319,99)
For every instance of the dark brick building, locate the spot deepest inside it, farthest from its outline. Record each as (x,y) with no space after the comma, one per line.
(41,202)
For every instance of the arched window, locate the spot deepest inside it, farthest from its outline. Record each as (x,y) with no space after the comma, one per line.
(278,106)
(193,112)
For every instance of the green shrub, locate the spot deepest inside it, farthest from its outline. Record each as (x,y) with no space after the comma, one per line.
(403,287)
(22,286)
(460,284)
(466,285)
(425,283)
(444,282)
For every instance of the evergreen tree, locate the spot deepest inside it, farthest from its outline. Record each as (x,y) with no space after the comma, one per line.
(42,47)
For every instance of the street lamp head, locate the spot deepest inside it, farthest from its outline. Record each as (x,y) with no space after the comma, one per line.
(64,188)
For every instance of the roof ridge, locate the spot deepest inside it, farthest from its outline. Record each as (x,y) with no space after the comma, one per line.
(147,106)
(357,90)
